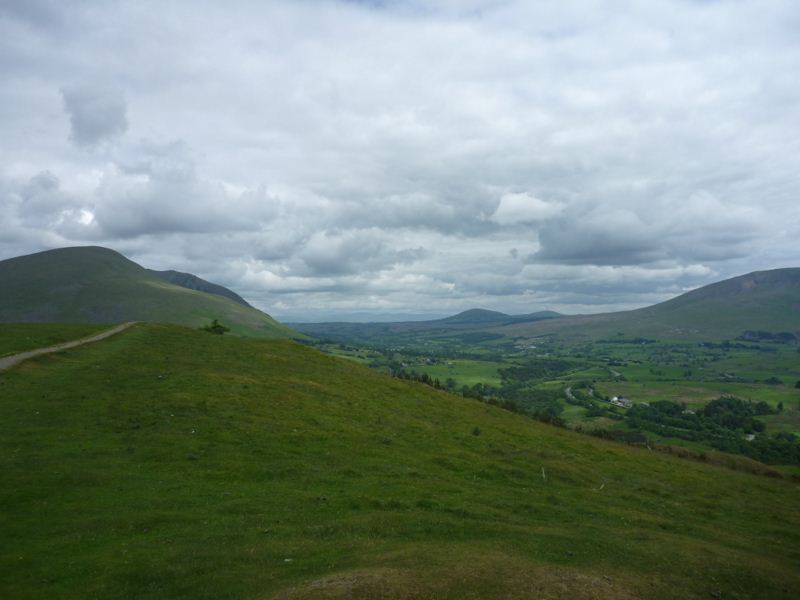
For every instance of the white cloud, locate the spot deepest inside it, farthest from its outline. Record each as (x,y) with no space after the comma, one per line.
(523,207)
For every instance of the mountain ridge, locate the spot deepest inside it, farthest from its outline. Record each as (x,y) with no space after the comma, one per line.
(193,282)
(93,284)
(767,300)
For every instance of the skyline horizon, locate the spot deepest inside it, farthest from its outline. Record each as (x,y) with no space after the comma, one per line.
(390,316)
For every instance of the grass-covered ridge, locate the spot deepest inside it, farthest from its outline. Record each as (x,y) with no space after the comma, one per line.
(17,337)
(760,301)
(170,463)
(98,285)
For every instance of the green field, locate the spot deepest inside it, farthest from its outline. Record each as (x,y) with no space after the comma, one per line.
(169,463)
(16,338)
(464,371)
(698,393)
(787,421)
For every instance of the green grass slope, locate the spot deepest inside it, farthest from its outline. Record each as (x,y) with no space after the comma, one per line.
(19,337)
(759,301)
(169,463)
(764,300)
(98,285)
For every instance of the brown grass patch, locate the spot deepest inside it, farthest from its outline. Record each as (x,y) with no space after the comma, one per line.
(488,580)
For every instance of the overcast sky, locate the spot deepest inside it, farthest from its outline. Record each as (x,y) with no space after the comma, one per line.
(343,159)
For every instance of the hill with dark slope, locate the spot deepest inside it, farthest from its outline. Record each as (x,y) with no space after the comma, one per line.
(778,290)
(480,316)
(474,315)
(97,285)
(168,463)
(193,282)
(767,301)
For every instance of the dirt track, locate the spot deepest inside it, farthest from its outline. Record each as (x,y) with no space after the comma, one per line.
(7,362)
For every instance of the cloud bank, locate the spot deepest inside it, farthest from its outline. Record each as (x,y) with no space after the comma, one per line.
(333,158)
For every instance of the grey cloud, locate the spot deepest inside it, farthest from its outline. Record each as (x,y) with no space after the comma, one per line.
(344,253)
(598,238)
(95,114)
(446,212)
(39,213)
(43,203)
(38,13)
(165,160)
(129,209)
(156,189)
(41,195)
(697,228)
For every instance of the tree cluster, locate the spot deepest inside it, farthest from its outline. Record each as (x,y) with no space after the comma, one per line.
(216,328)
(722,424)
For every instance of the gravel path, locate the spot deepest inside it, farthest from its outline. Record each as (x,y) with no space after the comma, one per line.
(9,361)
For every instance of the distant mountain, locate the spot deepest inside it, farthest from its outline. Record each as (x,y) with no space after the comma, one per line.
(478,316)
(763,301)
(97,285)
(193,282)
(458,327)
(475,315)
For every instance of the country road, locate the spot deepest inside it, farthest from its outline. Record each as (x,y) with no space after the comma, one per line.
(7,362)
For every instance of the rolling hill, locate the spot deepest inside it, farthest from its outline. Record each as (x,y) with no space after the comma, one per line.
(168,463)
(97,285)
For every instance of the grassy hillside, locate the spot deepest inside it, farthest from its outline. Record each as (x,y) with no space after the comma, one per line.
(98,285)
(17,337)
(760,301)
(169,463)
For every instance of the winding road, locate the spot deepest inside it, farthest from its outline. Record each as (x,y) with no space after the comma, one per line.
(7,362)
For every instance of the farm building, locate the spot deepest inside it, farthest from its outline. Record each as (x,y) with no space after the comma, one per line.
(621,401)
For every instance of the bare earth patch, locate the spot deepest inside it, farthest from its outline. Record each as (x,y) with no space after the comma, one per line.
(540,582)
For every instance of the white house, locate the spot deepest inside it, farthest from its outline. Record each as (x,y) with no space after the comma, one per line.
(621,401)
